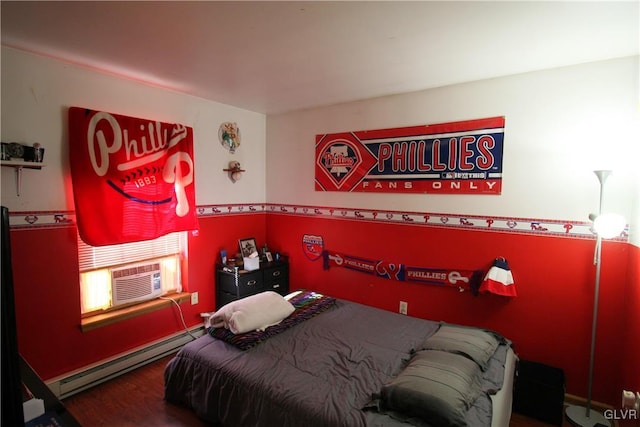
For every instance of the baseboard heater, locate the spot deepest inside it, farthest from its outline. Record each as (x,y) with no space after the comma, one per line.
(92,375)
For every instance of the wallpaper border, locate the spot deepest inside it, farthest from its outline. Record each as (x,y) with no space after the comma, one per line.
(28,220)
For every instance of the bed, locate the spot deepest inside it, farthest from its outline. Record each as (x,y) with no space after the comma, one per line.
(333,362)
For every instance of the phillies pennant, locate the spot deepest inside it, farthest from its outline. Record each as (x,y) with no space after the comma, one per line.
(133,179)
(459,279)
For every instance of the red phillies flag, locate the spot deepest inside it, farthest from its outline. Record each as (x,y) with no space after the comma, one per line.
(133,179)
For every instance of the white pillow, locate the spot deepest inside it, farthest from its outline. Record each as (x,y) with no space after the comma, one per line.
(255,312)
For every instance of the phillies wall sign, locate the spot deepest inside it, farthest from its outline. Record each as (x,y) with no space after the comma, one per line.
(133,179)
(448,158)
(312,246)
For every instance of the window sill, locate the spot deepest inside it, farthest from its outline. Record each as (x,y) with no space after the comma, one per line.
(104,319)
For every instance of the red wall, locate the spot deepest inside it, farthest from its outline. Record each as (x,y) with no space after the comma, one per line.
(549,321)
(631,327)
(48,297)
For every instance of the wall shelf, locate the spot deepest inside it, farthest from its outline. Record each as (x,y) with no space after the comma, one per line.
(19,165)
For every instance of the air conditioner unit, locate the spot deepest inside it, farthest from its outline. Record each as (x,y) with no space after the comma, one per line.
(136,282)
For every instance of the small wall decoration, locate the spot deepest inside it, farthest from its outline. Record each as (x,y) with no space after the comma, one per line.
(234,170)
(448,158)
(312,246)
(229,135)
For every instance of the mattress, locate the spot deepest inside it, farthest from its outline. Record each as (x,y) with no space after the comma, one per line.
(327,371)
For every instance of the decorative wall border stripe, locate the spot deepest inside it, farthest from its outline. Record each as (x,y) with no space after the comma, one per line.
(41,219)
(529,226)
(246,208)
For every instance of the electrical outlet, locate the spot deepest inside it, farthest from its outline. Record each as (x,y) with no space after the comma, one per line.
(403,307)
(194,298)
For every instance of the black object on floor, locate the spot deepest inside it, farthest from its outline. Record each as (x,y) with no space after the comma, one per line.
(539,392)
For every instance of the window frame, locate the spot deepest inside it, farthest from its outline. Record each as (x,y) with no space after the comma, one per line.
(110,257)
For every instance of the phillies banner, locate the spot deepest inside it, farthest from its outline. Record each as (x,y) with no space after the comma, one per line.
(132,178)
(459,279)
(449,158)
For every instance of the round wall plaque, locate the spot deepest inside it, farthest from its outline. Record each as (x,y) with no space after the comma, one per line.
(229,135)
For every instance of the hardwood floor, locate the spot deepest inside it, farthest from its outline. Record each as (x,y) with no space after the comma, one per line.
(136,400)
(132,400)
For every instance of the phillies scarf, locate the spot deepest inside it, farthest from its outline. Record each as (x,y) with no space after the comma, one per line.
(459,279)
(133,179)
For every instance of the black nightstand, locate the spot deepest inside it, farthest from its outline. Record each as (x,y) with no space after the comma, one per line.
(233,283)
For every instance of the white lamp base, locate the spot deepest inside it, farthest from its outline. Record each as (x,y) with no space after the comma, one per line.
(577,415)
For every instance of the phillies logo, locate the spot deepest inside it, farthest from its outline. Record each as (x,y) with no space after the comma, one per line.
(312,246)
(136,159)
(338,159)
(342,161)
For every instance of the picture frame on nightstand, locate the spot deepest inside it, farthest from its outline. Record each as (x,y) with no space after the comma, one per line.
(247,246)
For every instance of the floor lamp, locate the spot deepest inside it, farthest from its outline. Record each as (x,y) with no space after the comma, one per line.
(606,226)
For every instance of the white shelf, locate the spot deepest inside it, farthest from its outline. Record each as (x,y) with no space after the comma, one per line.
(22,164)
(19,165)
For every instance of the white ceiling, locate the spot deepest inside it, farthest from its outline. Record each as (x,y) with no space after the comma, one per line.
(273,57)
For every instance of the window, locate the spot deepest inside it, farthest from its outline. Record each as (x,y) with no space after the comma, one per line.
(97,263)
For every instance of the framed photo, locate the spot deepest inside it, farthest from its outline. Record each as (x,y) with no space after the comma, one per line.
(269,257)
(247,246)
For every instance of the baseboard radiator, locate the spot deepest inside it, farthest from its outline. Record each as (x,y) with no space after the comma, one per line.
(90,376)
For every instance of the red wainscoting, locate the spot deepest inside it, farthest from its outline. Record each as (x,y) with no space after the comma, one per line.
(550,320)
(47,295)
(631,346)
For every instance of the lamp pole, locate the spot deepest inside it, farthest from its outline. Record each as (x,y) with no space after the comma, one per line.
(602,177)
(579,415)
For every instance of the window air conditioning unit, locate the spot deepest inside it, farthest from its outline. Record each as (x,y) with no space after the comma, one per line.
(136,282)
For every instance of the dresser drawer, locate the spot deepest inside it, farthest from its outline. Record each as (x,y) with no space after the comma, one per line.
(226,282)
(248,283)
(277,279)
(232,285)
